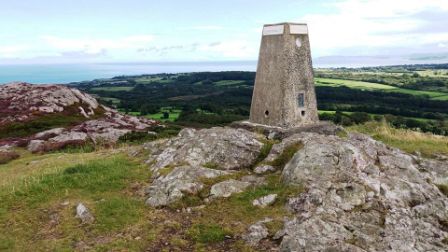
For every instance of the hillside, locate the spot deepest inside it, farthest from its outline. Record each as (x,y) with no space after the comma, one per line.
(409,99)
(227,189)
(76,175)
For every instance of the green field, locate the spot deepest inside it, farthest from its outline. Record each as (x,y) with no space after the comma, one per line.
(174,114)
(152,79)
(440,73)
(229,83)
(349,113)
(111,99)
(112,89)
(375,86)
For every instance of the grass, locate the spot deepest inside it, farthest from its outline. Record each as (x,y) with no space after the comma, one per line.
(207,233)
(229,83)
(173,114)
(104,181)
(101,184)
(159,116)
(109,183)
(410,141)
(286,155)
(152,79)
(433,95)
(371,114)
(443,188)
(264,152)
(114,101)
(30,168)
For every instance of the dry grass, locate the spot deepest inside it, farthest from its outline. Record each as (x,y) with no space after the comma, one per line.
(33,214)
(30,167)
(410,141)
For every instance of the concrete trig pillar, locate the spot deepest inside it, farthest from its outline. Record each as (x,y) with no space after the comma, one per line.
(284,93)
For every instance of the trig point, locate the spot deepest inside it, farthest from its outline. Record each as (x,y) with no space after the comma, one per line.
(284,94)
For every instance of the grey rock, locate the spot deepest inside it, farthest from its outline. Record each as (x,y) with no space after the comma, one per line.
(84,214)
(182,180)
(362,196)
(35,145)
(257,232)
(254,180)
(69,136)
(272,135)
(265,200)
(264,169)
(227,148)
(226,188)
(49,133)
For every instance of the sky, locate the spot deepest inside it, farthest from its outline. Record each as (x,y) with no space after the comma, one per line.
(74,31)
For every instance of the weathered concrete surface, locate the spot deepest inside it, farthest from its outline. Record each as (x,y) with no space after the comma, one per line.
(284,72)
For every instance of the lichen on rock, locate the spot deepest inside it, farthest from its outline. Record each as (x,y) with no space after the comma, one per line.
(229,149)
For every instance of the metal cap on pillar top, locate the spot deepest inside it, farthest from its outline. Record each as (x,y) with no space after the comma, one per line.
(284,93)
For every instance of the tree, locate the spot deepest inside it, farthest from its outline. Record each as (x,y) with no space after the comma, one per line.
(166,115)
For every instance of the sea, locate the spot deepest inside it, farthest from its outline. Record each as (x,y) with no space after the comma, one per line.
(66,73)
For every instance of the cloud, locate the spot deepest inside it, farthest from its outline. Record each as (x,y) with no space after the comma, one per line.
(96,45)
(12,51)
(236,49)
(370,27)
(83,54)
(230,49)
(207,28)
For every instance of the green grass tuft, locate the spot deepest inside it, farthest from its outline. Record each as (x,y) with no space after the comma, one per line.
(443,188)
(264,152)
(286,155)
(116,213)
(207,233)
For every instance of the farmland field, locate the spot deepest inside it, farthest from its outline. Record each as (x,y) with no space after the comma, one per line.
(112,89)
(375,86)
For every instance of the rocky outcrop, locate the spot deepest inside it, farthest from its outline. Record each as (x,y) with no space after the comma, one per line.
(106,130)
(358,194)
(182,180)
(362,196)
(223,148)
(23,101)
